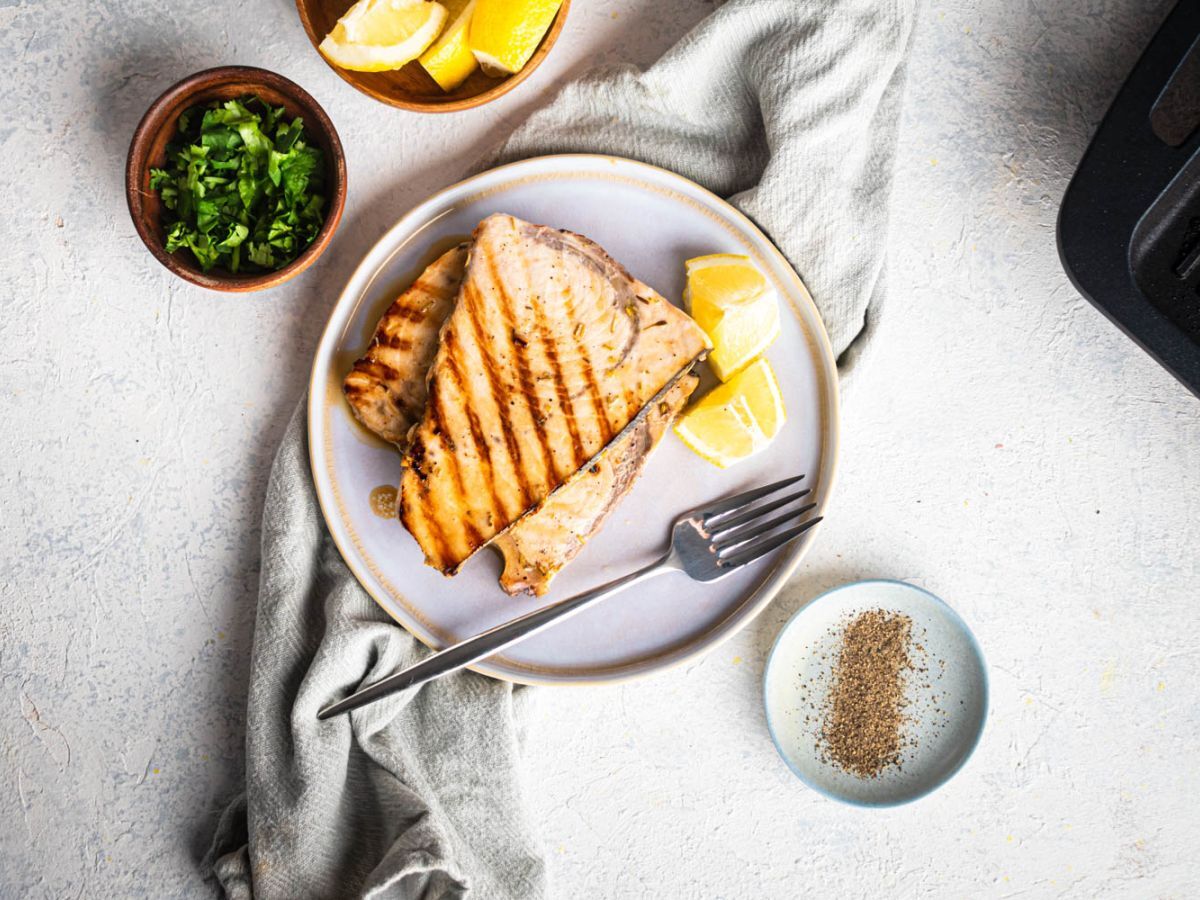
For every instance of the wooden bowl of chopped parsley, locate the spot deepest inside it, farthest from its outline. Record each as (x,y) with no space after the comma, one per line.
(236,179)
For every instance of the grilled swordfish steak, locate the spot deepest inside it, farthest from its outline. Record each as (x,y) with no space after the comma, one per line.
(386,392)
(386,388)
(550,352)
(537,547)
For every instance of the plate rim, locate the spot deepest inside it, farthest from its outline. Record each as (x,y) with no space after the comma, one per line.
(759,598)
(972,641)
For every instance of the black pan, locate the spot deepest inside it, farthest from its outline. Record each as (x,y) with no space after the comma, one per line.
(1129,227)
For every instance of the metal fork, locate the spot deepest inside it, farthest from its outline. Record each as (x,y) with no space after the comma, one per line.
(707,543)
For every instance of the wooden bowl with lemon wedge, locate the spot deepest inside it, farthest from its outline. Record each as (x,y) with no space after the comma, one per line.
(367,44)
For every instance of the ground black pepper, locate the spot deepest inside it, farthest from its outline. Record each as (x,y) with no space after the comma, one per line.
(862,727)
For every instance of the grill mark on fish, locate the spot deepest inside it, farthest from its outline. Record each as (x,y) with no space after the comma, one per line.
(438,412)
(395,341)
(482,445)
(416,461)
(566,396)
(591,387)
(560,387)
(412,314)
(602,420)
(385,371)
(489,370)
(528,390)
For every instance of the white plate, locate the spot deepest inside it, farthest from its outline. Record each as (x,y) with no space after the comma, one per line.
(947,703)
(650,220)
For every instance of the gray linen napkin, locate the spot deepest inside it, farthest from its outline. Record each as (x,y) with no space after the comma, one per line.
(418,795)
(789,108)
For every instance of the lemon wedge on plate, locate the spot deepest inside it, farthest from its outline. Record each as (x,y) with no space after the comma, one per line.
(450,61)
(737,419)
(723,433)
(377,35)
(731,300)
(505,33)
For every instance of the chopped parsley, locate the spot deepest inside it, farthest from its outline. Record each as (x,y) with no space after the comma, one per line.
(242,187)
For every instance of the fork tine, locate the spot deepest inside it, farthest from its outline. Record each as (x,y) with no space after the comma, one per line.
(761,548)
(755,530)
(737,501)
(756,512)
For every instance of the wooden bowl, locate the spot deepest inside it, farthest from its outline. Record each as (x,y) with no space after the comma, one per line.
(411,87)
(149,150)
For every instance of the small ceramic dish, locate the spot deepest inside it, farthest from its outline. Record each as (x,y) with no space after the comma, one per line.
(947,702)
(411,87)
(149,150)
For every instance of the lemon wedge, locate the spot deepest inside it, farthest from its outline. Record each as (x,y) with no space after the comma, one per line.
(731,300)
(737,419)
(504,33)
(758,384)
(450,61)
(722,433)
(377,35)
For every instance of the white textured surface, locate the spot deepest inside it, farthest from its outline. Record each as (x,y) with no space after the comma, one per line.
(1006,448)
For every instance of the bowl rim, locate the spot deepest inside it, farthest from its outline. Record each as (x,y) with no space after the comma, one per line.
(972,641)
(153,120)
(502,87)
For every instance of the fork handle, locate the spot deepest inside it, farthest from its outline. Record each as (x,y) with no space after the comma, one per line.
(492,641)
